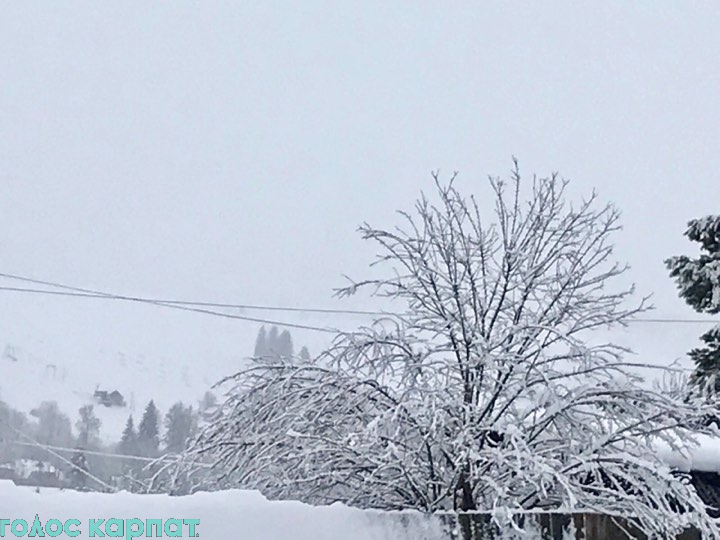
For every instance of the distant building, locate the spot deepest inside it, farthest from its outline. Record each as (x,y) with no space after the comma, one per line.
(25,472)
(42,479)
(109,399)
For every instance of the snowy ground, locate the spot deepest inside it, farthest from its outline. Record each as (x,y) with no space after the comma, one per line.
(229,515)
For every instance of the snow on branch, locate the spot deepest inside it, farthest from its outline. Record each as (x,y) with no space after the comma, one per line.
(486,394)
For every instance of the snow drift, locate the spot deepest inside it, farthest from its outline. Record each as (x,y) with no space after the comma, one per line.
(226,515)
(702,454)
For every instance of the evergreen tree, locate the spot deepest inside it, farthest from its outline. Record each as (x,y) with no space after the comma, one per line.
(284,345)
(88,427)
(128,442)
(304,354)
(149,432)
(180,426)
(128,446)
(272,342)
(698,280)
(261,345)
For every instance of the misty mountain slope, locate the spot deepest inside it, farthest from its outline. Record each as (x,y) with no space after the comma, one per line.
(66,365)
(30,375)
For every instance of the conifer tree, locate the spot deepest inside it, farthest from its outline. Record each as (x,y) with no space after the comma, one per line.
(149,432)
(128,443)
(284,345)
(272,342)
(180,426)
(261,346)
(128,446)
(698,281)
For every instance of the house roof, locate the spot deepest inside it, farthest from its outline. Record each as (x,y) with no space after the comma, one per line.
(702,454)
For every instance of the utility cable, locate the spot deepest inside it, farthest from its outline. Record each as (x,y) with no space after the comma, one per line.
(162,459)
(250,307)
(198,306)
(88,293)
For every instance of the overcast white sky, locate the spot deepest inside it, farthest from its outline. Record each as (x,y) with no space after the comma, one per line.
(228,150)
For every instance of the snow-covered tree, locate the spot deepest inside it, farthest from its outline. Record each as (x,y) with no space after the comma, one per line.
(272,341)
(148,438)
(284,345)
(181,424)
(488,391)
(698,281)
(273,344)
(53,429)
(128,468)
(128,441)
(261,346)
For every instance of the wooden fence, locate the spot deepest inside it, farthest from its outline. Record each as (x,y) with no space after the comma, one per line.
(553,526)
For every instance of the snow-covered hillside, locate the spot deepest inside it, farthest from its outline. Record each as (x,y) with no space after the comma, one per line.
(31,374)
(226,515)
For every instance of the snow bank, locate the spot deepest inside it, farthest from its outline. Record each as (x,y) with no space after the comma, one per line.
(703,456)
(226,515)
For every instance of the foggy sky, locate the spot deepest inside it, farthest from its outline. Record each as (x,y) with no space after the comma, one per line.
(227,151)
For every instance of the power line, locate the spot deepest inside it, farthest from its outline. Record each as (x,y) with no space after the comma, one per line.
(105,454)
(198,306)
(250,307)
(88,293)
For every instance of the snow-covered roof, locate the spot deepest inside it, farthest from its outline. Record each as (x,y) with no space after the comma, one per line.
(703,456)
